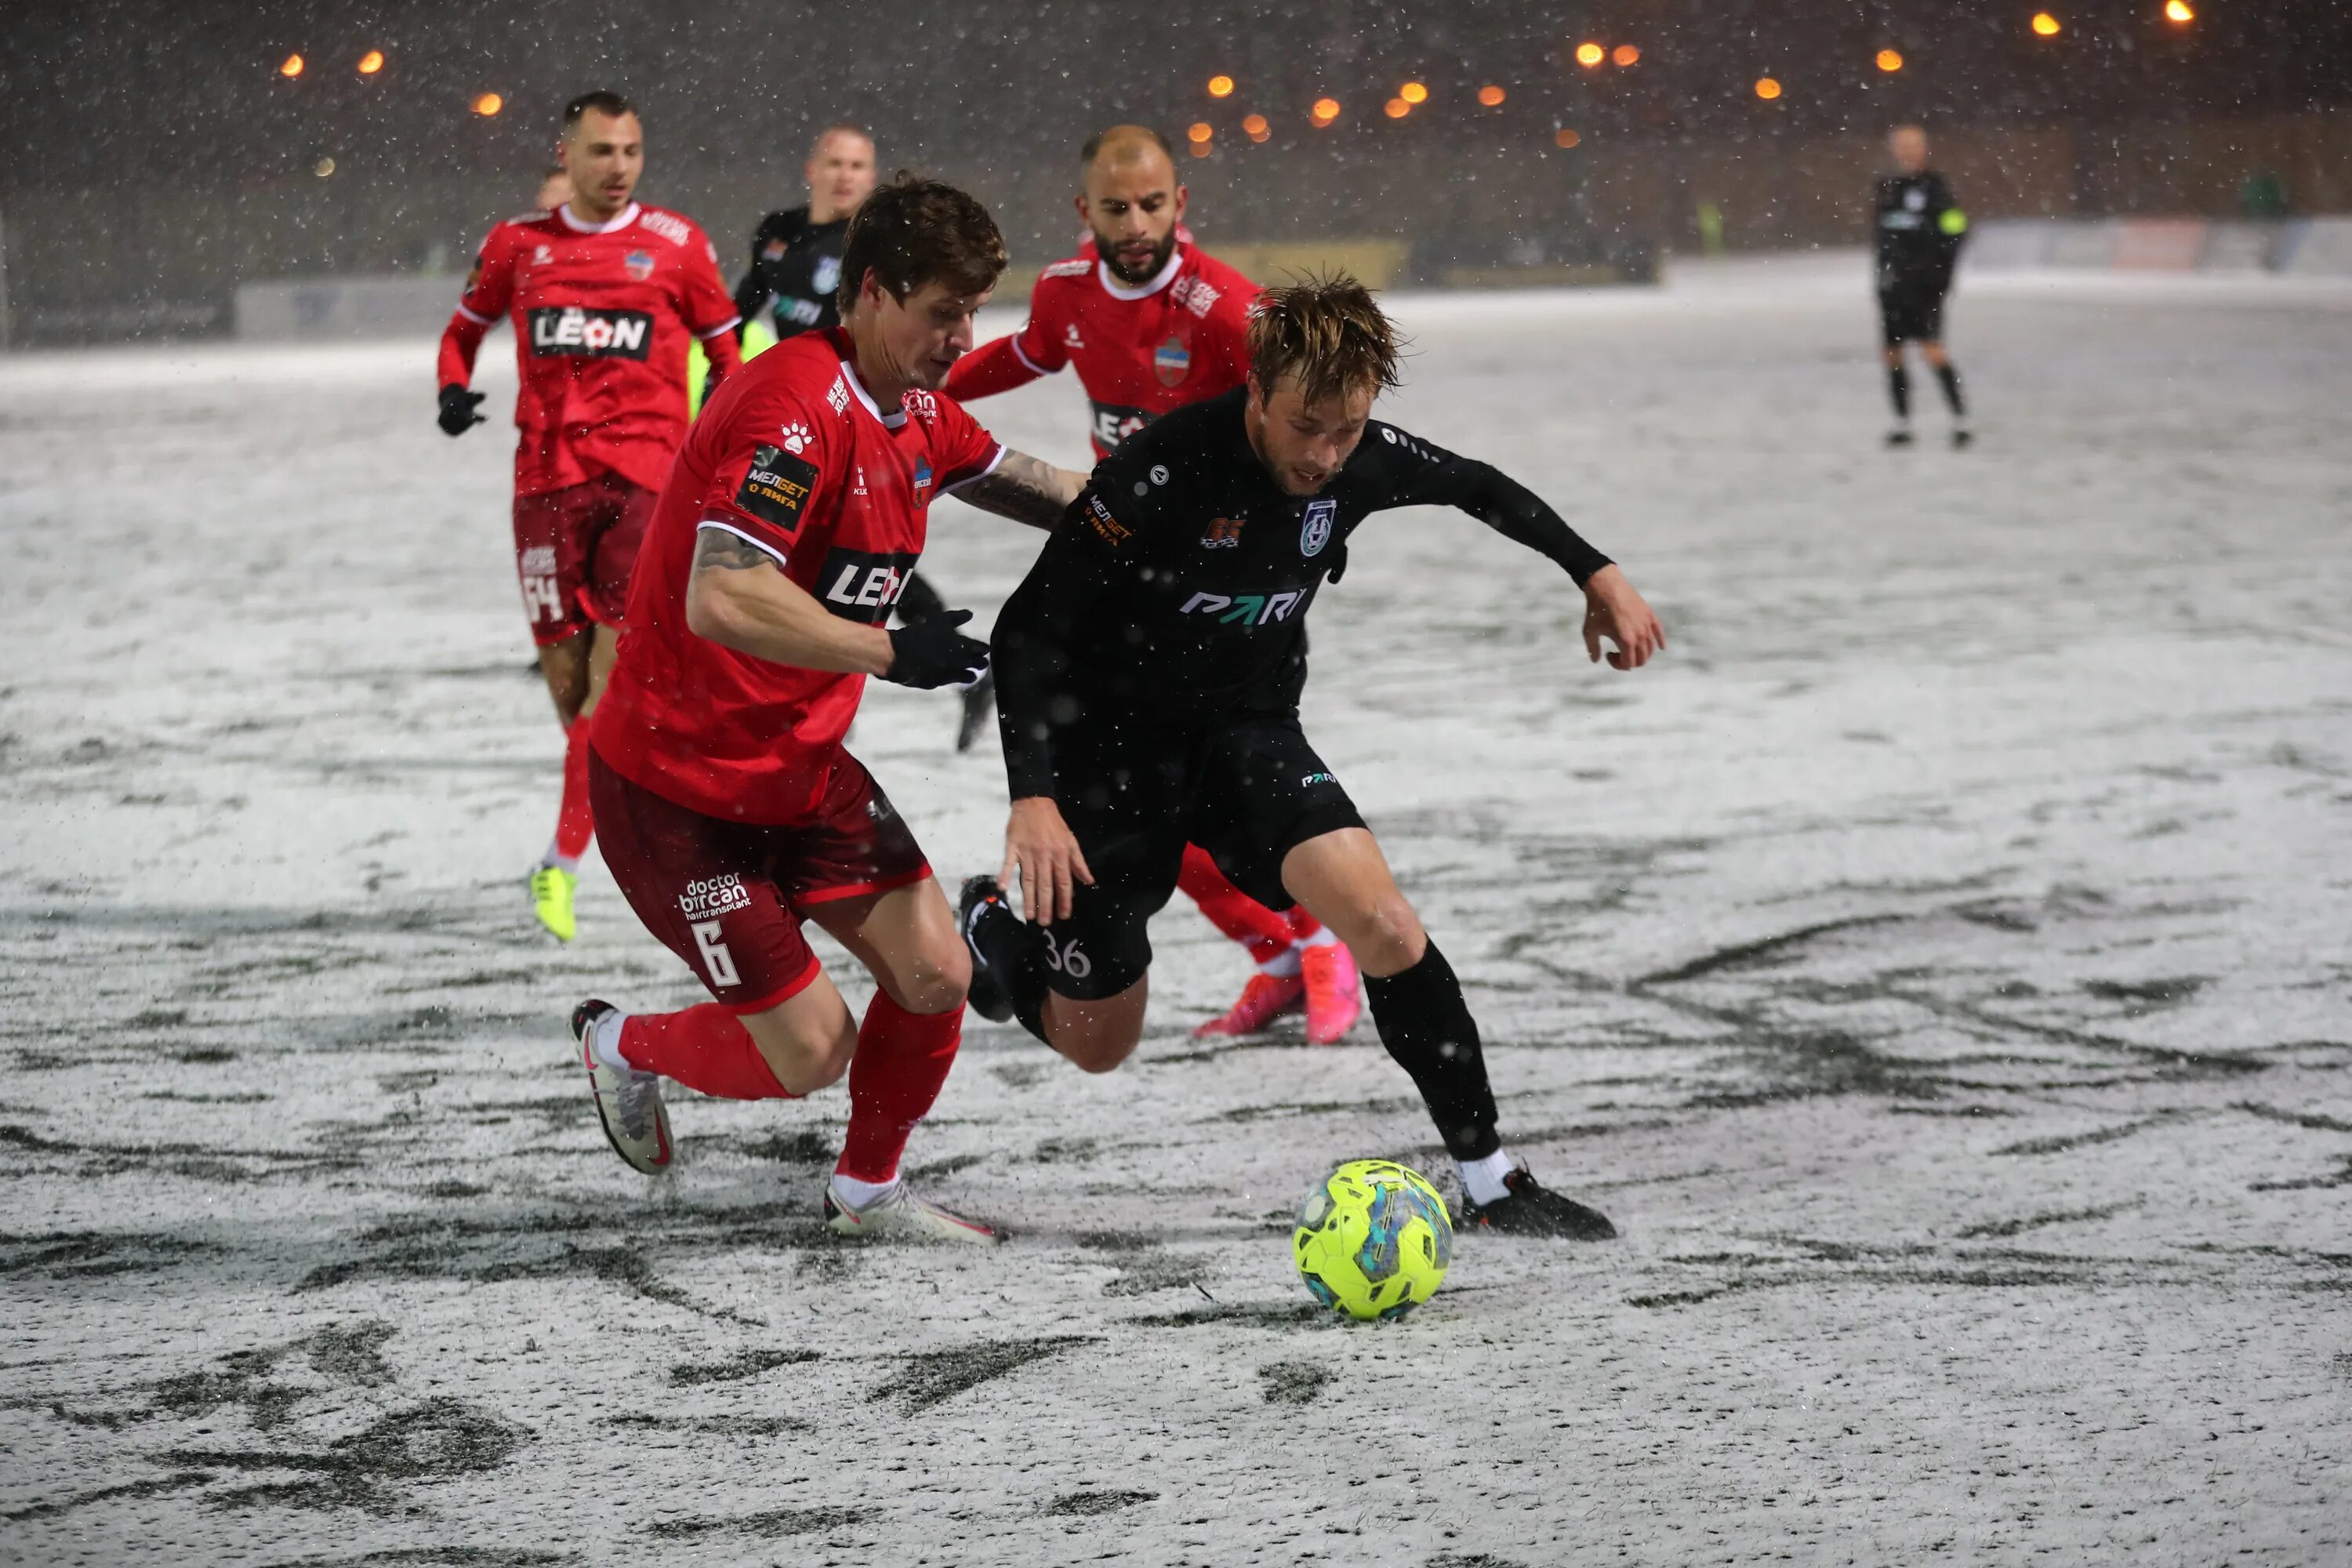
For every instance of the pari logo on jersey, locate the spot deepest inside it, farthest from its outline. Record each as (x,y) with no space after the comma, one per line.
(1171,362)
(569,332)
(863,585)
(1248,609)
(1314,532)
(776,487)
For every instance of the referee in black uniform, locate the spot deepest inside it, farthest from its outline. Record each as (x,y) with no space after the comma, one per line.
(1148,674)
(796,263)
(1920,230)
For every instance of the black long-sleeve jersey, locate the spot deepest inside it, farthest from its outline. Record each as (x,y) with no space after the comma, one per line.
(1175,591)
(798,264)
(1920,230)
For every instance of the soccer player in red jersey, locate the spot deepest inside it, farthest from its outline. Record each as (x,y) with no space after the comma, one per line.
(1152,324)
(731,812)
(605,292)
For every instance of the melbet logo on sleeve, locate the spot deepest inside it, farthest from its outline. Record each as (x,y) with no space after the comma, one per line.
(776,487)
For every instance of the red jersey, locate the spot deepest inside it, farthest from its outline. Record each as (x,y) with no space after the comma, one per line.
(792,456)
(1140,350)
(602,315)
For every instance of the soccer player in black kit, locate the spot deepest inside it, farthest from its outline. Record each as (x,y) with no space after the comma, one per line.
(1920,230)
(1149,671)
(796,262)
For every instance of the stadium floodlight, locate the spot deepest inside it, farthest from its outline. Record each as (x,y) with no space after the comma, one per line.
(1200,130)
(1767,88)
(372,62)
(1890,61)
(1626,55)
(1490,95)
(1396,109)
(1413,92)
(2180,13)
(489,103)
(1221,86)
(1564,137)
(1590,55)
(2046,24)
(292,67)
(1254,124)
(1325,111)
(324,167)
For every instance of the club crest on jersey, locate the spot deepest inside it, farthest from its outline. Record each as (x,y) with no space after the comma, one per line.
(773,251)
(922,479)
(640,264)
(1224,533)
(827,276)
(1171,362)
(1315,531)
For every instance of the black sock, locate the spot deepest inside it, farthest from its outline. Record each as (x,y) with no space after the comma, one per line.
(1948,375)
(1427,1027)
(1008,946)
(1898,388)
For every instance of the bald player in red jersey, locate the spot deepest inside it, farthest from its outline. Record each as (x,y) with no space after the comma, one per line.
(605,292)
(729,810)
(1152,324)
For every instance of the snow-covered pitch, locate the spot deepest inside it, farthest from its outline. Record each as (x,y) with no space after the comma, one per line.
(1937,963)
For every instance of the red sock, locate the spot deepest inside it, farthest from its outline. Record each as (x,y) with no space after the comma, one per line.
(895,1078)
(1265,934)
(1302,924)
(575,825)
(706,1048)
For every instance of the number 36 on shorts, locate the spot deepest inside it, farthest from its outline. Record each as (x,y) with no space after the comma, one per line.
(1067,960)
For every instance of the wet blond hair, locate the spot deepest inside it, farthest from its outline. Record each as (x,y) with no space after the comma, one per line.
(1329,333)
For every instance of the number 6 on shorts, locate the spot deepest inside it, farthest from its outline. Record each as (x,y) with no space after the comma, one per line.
(715,956)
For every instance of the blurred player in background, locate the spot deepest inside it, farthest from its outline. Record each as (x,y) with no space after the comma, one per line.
(797,263)
(730,808)
(606,294)
(1152,325)
(1920,230)
(554,188)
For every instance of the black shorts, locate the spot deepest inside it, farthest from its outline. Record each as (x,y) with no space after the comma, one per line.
(1248,792)
(1911,313)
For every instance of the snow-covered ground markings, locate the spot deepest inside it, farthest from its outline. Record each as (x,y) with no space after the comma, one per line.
(1935,964)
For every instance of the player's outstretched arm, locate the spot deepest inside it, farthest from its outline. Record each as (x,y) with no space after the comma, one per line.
(738,598)
(1025,489)
(1614,611)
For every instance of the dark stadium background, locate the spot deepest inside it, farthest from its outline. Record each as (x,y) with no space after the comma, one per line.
(157,155)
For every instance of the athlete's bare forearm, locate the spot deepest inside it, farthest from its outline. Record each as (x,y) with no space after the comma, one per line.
(739,599)
(1025,489)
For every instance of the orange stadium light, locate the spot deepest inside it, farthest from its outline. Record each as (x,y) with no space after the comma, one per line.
(1396,109)
(2179,12)
(1490,95)
(1199,132)
(1256,124)
(292,67)
(1221,86)
(1625,54)
(1202,149)
(1767,88)
(2046,24)
(1890,61)
(1413,92)
(1327,109)
(1590,55)
(1564,137)
(488,103)
(372,62)
(324,167)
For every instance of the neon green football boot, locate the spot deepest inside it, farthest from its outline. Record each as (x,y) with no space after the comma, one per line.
(551,888)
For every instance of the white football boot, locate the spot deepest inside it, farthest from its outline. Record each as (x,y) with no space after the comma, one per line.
(628,1102)
(900,1214)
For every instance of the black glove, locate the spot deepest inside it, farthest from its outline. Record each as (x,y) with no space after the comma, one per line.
(458,406)
(933,653)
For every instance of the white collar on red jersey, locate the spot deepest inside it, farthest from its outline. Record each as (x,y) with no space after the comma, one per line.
(621,220)
(857,390)
(1119,291)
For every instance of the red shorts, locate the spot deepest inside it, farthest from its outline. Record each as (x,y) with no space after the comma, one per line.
(728,897)
(573,549)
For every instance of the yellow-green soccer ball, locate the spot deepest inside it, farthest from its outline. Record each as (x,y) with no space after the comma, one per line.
(1373,1240)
